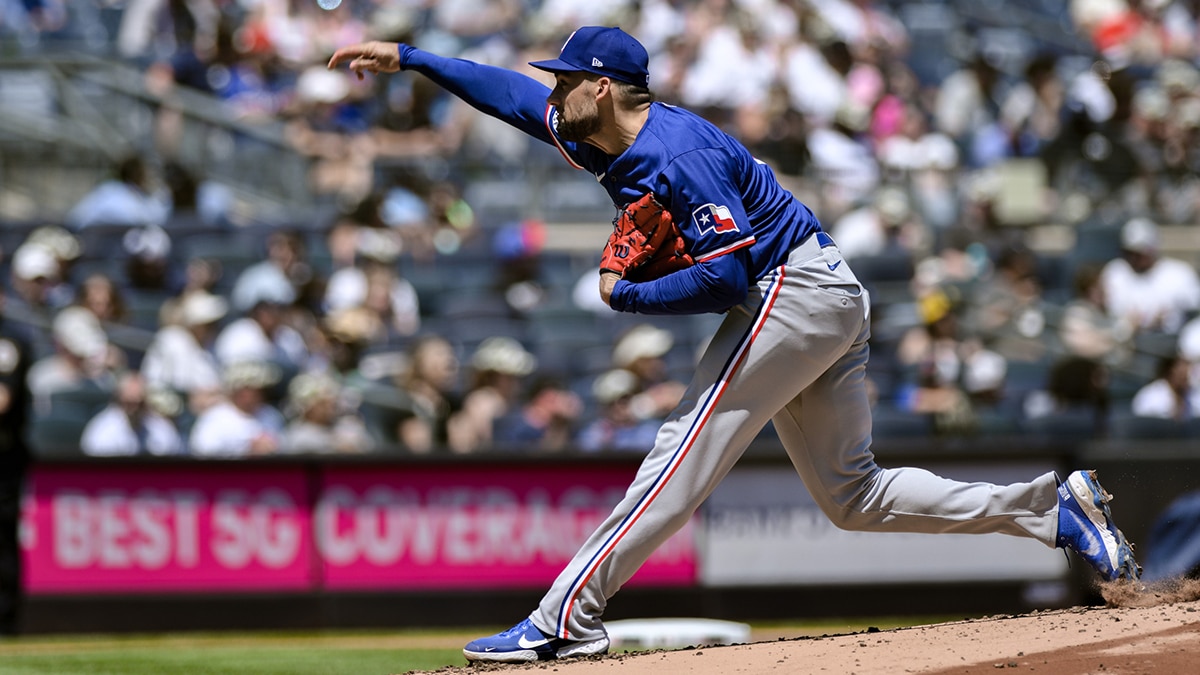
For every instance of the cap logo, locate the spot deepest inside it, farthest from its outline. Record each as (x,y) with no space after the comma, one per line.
(597,63)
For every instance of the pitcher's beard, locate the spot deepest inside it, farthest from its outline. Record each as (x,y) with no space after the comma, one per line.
(579,129)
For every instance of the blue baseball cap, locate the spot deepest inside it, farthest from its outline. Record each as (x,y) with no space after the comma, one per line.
(604,51)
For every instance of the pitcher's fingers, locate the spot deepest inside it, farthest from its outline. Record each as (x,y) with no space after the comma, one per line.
(344,54)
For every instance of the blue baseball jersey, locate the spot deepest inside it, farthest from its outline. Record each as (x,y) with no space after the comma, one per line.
(738,222)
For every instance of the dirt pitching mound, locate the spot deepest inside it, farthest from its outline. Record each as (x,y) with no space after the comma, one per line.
(1137,594)
(1141,631)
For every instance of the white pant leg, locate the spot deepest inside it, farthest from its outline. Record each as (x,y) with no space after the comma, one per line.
(695,448)
(826,430)
(829,444)
(795,352)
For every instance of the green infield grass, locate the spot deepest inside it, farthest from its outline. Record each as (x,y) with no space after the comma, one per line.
(305,653)
(332,653)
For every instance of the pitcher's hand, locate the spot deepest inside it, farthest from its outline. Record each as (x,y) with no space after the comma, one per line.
(374,57)
(608,281)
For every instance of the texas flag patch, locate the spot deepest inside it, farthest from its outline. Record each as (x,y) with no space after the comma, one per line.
(713,218)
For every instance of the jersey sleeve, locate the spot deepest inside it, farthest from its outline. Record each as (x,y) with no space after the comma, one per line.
(707,204)
(712,286)
(504,94)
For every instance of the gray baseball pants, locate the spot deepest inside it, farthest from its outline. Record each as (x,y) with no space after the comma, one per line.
(795,352)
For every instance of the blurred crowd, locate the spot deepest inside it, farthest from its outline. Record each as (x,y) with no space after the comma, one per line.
(936,150)
(149,345)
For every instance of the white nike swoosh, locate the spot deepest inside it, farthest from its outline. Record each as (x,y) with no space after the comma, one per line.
(530,644)
(1093,544)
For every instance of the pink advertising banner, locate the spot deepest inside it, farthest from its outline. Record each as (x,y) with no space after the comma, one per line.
(123,529)
(229,528)
(473,527)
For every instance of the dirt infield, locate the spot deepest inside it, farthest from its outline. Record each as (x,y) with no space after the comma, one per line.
(1155,630)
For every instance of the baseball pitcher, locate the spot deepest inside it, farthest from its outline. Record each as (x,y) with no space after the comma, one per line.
(703,226)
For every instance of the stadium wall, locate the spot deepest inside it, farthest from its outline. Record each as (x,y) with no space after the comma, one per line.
(157,543)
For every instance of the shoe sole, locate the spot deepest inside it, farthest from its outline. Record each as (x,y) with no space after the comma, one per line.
(1094,500)
(588,648)
(522,656)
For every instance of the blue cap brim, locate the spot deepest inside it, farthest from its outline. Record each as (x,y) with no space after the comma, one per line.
(555,66)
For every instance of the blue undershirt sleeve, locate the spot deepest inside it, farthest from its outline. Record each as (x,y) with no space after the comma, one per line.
(712,286)
(504,94)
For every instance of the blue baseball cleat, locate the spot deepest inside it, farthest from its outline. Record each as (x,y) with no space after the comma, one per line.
(526,642)
(1085,525)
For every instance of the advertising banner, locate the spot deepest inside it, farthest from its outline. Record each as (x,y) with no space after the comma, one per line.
(254,528)
(762,528)
(473,527)
(205,528)
(130,529)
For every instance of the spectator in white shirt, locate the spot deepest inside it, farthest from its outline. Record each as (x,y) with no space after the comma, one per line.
(1170,395)
(264,333)
(83,359)
(127,199)
(324,422)
(732,68)
(845,166)
(242,424)
(886,225)
(286,264)
(179,359)
(33,276)
(128,426)
(1152,291)
(374,283)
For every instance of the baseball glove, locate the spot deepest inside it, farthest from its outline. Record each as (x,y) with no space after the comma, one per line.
(645,243)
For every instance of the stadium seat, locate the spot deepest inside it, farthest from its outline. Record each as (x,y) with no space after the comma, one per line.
(103,241)
(1072,423)
(888,421)
(884,268)
(83,401)
(143,308)
(498,200)
(1124,424)
(13,234)
(996,421)
(56,435)
(461,307)
(112,267)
